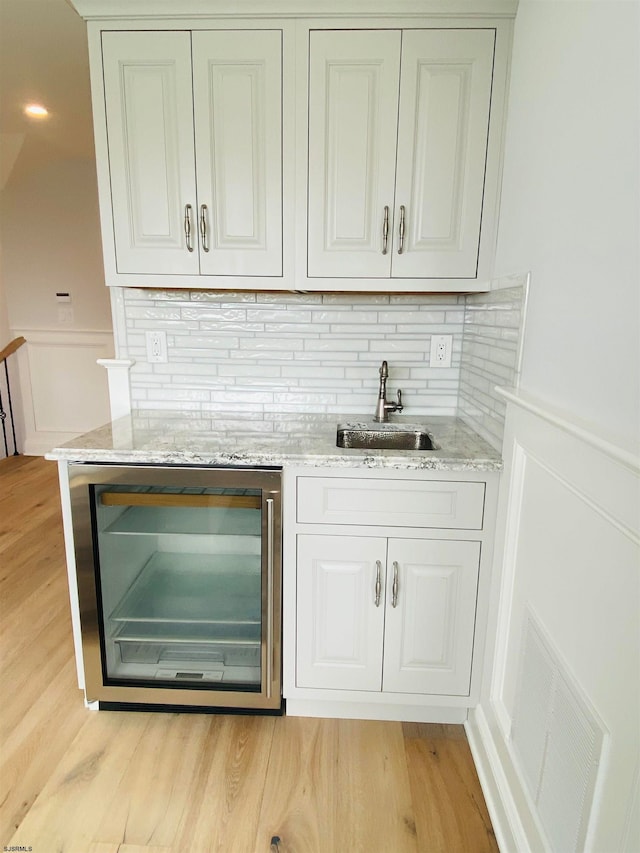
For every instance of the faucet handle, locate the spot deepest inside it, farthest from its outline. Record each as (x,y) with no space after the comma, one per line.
(399,406)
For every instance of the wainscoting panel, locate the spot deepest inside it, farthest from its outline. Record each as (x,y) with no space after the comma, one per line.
(64,391)
(559,718)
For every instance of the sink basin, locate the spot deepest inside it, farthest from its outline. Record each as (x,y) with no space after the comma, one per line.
(389,436)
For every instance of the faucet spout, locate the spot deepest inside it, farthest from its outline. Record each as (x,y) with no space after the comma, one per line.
(383,406)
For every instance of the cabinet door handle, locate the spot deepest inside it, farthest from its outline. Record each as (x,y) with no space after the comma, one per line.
(187,227)
(378,582)
(394,588)
(203,227)
(385,230)
(401,230)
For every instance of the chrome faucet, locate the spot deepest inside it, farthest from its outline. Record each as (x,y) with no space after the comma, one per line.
(383,407)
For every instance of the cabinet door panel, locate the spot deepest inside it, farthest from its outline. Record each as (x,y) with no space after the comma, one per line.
(340,628)
(238,120)
(353,97)
(147,80)
(445,97)
(429,634)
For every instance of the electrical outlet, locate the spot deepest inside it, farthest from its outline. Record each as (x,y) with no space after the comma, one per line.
(441,346)
(156,347)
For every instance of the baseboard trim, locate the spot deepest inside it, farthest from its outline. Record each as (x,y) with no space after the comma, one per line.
(366,711)
(505,818)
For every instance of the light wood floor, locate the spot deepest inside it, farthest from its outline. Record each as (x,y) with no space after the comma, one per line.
(114,782)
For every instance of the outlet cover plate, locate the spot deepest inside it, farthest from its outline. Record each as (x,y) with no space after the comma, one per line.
(156,347)
(441,347)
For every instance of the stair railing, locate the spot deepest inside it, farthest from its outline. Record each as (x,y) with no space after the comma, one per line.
(4,355)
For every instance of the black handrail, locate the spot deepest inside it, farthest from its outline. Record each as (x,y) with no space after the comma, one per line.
(4,355)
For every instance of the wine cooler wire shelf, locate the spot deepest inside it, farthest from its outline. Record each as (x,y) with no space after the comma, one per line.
(193,597)
(141,520)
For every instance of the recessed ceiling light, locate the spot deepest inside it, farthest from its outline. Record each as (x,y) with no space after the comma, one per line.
(36,111)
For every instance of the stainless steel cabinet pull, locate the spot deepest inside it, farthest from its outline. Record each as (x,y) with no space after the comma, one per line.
(378,582)
(270,543)
(385,230)
(401,230)
(187,227)
(203,227)
(394,588)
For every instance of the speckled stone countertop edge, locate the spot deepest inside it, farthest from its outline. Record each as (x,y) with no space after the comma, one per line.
(171,440)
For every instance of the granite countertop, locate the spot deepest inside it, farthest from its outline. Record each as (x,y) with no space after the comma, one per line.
(271,440)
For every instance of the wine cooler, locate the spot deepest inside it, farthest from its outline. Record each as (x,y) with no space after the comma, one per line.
(179,584)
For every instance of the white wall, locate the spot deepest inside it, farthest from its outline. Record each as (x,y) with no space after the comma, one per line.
(570,202)
(568,540)
(5,338)
(51,243)
(4,314)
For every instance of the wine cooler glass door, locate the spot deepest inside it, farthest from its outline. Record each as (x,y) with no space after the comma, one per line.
(179,584)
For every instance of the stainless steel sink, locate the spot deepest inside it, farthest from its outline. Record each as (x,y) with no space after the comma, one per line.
(384,436)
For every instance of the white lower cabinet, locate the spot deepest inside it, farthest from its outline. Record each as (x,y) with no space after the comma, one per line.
(386,614)
(386,592)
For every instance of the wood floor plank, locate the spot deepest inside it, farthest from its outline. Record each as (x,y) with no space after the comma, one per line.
(228,788)
(77,781)
(451,815)
(337,785)
(300,793)
(375,811)
(68,812)
(31,563)
(156,789)
(36,743)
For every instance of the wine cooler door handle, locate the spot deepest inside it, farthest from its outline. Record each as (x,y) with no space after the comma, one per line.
(270,545)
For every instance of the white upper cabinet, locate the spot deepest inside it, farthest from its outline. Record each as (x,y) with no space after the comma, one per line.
(194,138)
(237,84)
(445,96)
(345,153)
(398,135)
(147,82)
(353,104)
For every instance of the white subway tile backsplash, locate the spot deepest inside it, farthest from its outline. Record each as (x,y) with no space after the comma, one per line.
(220,296)
(289,298)
(219,314)
(262,344)
(278,314)
(335,342)
(251,371)
(344,300)
(493,329)
(279,356)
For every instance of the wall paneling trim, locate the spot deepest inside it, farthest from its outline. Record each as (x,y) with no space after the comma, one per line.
(568,550)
